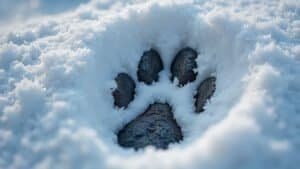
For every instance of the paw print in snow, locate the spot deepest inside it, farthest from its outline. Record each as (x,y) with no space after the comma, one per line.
(156,126)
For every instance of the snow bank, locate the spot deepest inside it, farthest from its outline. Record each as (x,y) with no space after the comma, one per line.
(56,78)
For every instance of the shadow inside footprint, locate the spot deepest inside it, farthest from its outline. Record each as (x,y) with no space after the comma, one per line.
(156,127)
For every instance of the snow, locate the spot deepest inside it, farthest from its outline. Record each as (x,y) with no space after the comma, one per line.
(57,71)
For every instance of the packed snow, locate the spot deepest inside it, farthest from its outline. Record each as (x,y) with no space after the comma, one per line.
(57,75)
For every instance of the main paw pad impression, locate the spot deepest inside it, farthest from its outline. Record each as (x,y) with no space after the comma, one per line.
(156,126)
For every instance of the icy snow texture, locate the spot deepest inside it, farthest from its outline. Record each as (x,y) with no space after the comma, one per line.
(56,79)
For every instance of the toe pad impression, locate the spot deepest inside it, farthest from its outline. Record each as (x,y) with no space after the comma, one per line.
(124,93)
(204,92)
(183,66)
(149,67)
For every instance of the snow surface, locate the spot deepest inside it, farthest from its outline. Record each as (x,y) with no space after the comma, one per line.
(56,78)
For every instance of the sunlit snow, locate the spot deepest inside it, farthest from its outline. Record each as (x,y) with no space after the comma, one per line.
(57,73)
